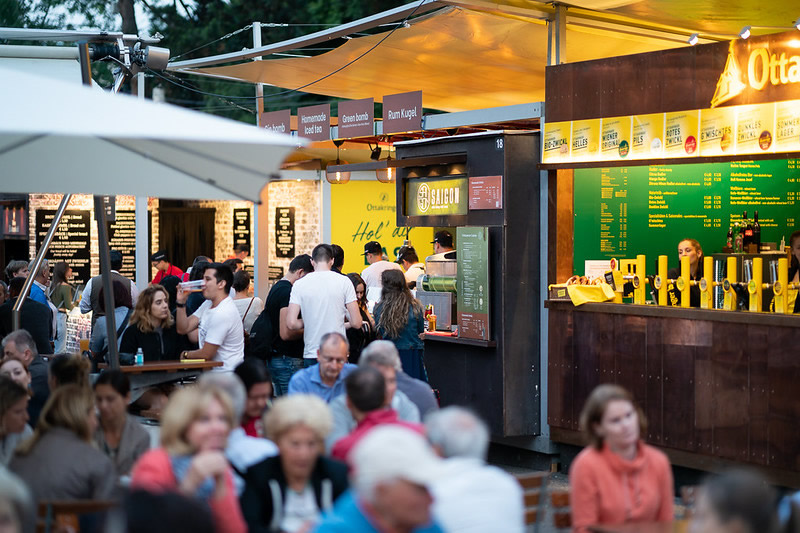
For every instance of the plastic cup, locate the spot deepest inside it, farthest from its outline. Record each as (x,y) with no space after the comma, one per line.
(192,286)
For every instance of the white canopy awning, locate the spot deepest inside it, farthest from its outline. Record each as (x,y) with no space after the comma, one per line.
(58,137)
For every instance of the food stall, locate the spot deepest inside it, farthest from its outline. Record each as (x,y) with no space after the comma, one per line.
(645,151)
(486,186)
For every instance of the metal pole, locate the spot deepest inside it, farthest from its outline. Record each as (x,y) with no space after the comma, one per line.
(37,263)
(142,221)
(105,271)
(260,211)
(102,235)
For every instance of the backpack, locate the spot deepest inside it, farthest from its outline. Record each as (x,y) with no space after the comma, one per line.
(262,336)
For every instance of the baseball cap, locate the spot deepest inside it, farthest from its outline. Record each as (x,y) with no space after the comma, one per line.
(444,237)
(160,255)
(372,247)
(392,452)
(403,251)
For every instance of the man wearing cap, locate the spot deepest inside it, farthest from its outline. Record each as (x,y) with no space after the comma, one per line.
(407,258)
(392,468)
(442,242)
(373,253)
(91,293)
(472,496)
(163,267)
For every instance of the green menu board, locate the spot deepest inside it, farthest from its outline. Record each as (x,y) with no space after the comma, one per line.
(624,211)
(473,282)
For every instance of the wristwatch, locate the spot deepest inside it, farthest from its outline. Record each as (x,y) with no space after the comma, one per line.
(184,354)
(178,304)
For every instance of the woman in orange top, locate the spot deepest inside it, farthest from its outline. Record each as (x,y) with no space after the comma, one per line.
(617,478)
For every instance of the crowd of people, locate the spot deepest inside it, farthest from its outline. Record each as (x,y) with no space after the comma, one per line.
(318,417)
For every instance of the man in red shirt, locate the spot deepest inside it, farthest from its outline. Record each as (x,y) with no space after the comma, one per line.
(370,406)
(163,266)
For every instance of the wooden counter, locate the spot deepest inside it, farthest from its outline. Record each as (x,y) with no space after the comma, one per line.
(717,387)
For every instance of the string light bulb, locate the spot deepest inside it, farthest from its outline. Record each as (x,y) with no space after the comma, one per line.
(693,39)
(745,33)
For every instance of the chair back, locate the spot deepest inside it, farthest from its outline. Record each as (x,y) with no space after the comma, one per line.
(55,515)
(533,485)
(562,514)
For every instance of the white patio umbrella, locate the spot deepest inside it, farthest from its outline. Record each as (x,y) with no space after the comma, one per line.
(57,137)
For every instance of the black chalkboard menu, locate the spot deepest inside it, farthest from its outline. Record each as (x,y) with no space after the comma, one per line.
(284,231)
(71,241)
(122,237)
(473,282)
(241,227)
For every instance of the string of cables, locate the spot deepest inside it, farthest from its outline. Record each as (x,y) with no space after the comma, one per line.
(400,24)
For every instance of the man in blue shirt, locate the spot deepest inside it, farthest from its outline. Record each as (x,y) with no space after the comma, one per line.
(325,379)
(392,468)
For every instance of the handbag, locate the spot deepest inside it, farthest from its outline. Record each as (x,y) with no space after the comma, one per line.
(100,357)
(246,333)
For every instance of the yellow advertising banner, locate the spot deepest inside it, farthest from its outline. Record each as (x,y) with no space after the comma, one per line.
(585,140)
(755,125)
(681,134)
(647,138)
(787,126)
(716,131)
(556,142)
(615,138)
(363,211)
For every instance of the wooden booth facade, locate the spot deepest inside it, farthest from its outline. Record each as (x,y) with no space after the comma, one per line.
(717,387)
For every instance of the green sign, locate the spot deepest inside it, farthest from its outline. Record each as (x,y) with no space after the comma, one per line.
(473,282)
(624,211)
(429,197)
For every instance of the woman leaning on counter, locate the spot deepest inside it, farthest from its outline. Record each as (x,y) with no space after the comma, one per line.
(617,478)
(688,248)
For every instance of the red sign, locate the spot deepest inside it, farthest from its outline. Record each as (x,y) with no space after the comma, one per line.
(314,122)
(486,192)
(402,112)
(356,118)
(277,121)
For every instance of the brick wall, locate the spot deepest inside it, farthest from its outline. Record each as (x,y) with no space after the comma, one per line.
(304,196)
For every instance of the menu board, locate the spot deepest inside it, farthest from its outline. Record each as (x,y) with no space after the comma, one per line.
(241,227)
(473,282)
(284,231)
(70,242)
(624,211)
(122,237)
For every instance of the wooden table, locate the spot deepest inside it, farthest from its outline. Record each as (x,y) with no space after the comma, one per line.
(678,526)
(155,373)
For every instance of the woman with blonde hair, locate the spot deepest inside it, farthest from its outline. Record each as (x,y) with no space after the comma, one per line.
(191,460)
(288,492)
(617,478)
(59,461)
(14,426)
(399,318)
(152,327)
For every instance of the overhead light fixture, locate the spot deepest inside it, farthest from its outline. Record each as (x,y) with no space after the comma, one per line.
(745,33)
(334,176)
(796,23)
(693,39)
(388,174)
(376,153)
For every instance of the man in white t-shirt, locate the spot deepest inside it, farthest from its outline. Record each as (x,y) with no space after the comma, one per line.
(373,253)
(220,331)
(326,300)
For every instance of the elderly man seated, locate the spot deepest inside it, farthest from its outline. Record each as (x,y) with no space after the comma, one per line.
(325,379)
(471,496)
(392,470)
(387,362)
(368,401)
